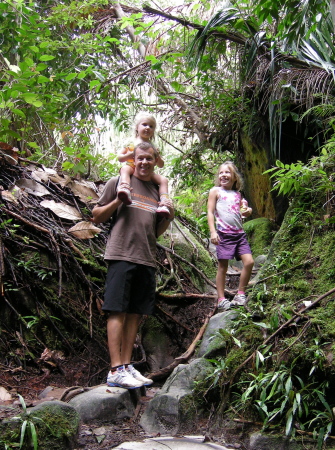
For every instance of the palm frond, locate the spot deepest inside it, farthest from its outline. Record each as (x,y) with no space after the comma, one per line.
(229,16)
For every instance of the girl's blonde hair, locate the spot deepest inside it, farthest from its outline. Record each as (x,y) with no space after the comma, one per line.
(139,117)
(238,184)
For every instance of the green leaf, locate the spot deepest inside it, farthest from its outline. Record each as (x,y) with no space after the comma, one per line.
(41,67)
(82,75)
(18,112)
(33,435)
(46,57)
(94,83)
(32,99)
(34,49)
(43,79)
(33,144)
(70,76)
(23,432)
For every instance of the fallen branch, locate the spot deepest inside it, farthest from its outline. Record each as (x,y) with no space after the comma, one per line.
(174,320)
(163,373)
(187,262)
(44,230)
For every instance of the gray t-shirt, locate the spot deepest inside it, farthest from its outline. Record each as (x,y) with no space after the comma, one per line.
(133,237)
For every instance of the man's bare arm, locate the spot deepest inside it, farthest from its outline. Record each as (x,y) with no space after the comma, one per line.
(103,213)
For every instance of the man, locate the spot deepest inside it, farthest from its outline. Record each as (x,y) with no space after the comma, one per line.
(130,251)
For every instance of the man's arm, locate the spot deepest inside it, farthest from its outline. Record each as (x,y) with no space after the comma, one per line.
(103,213)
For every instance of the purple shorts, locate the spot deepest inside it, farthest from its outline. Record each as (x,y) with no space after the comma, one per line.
(232,246)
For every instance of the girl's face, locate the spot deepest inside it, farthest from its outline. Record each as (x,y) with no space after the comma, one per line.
(145,129)
(226,178)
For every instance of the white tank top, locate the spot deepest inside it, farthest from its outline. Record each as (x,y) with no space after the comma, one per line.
(227,211)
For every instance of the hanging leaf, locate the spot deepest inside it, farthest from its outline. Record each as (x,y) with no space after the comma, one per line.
(32,187)
(62,210)
(84,192)
(84,230)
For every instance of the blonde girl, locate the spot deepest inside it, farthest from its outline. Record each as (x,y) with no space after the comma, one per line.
(226,209)
(145,126)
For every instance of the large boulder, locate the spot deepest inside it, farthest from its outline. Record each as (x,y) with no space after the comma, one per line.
(213,342)
(173,409)
(56,425)
(105,403)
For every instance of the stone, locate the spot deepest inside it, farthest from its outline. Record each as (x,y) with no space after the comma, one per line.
(211,345)
(105,403)
(56,424)
(173,409)
(262,441)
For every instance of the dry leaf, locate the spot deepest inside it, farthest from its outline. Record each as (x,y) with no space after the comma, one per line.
(4,395)
(40,175)
(58,179)
(84,230)
(62,210)
(84,192)
(6,195)
(32,187)
(18,192)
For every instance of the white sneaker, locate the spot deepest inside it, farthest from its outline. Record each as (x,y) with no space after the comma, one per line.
(123,379)
(224,304)
(239,300)
(137,375)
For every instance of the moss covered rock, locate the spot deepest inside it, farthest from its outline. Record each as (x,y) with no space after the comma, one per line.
(56,425)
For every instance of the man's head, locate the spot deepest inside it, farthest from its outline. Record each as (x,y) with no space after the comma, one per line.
(145,155)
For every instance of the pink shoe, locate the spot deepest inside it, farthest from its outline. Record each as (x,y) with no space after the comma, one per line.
(124,193)
(163,211)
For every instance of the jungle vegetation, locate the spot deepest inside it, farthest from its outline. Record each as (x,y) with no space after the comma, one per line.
(248,81)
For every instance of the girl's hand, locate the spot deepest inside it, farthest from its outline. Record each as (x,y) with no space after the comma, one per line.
(215,238)
(247,212)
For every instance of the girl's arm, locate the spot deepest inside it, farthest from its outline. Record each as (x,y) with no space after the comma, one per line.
(160,161)
(125,154)
(212,198)
(246,211)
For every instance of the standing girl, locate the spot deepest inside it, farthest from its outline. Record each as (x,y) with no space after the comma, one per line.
(227,208)
(145,125)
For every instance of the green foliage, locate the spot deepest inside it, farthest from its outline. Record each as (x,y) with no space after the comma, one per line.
(279,395)
(298,177)
(28,429)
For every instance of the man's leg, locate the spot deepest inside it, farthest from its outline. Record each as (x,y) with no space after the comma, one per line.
(129,332)
(121,333)
(115,325)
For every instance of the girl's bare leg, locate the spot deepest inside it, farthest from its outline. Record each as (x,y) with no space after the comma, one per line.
(163,184)
(248,264)
(125,174)
(221,277)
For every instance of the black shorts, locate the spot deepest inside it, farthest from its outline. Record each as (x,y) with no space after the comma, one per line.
(130,288)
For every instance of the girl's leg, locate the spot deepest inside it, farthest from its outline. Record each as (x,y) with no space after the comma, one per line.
(248,264)
(124,189)
(221,277)
(162,182)
(125,174)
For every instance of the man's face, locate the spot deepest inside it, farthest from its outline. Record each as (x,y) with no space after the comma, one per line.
(145,162)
